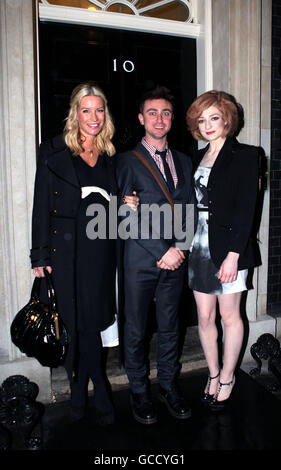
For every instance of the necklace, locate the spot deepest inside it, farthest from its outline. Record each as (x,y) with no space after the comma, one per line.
(90,151)
(90,156)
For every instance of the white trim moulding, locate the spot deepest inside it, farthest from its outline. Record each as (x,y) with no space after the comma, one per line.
(118,20)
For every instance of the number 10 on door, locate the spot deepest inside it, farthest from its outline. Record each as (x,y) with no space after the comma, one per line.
(127,65)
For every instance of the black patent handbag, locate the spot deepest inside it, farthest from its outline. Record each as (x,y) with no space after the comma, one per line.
(38,330)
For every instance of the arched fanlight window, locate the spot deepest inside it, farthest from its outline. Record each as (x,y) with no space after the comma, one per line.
(176,10)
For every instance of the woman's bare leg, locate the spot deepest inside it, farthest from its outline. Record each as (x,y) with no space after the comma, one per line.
(206,308)
(229,305)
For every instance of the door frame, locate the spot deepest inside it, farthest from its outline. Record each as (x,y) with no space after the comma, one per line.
(201,30)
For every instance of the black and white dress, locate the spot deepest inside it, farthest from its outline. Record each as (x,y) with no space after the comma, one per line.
(202,272)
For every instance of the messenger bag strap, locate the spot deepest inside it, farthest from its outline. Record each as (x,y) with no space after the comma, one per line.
(145,162)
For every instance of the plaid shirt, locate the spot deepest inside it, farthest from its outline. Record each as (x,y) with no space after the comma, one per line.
(158,160)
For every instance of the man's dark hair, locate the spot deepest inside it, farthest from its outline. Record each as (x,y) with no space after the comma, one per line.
(158,93)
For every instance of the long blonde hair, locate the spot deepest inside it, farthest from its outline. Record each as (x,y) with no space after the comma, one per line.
(71,130)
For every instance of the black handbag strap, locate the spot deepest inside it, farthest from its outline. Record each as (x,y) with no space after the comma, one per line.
(35,291)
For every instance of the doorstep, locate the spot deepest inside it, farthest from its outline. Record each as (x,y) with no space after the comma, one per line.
(192,358)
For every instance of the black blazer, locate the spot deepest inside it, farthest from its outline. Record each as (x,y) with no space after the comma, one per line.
(232,195)
(132,175)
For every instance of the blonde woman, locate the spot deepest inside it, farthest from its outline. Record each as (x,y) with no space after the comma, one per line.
(76,170)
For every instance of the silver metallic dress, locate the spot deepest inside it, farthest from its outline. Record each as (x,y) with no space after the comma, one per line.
(202,273)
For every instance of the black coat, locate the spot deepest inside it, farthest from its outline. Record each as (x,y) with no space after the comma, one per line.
(232,195)
(57,197)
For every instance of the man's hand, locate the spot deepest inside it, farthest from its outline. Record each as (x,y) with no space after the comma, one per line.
(172,259)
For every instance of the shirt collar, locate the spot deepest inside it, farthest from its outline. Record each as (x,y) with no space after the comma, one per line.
(151,148)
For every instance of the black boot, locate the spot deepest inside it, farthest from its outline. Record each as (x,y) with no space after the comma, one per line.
(142,408)
(176,404)
(78,401)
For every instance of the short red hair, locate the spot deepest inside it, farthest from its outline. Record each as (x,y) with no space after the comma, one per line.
(225,103)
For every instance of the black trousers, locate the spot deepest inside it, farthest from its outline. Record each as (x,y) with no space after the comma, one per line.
(141,286)
(90,366)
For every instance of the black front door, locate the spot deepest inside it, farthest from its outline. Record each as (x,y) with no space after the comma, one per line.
(124,64)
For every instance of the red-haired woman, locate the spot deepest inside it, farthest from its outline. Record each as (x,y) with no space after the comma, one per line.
(226,185)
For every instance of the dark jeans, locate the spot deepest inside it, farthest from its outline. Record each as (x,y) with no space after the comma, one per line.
(141,286)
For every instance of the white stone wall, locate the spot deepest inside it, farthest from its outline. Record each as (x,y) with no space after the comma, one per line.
(18,160)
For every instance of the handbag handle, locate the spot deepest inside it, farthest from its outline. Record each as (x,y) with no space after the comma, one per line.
(35,291)
(35,297)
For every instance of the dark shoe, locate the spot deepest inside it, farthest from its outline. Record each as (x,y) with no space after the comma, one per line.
(142,408)
(176,405)
(215,404)
(77,413)
(207,398)
(105,419)
(79,400)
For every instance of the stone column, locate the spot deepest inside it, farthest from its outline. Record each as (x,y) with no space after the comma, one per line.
(18,160)
(245,66)
(245,85)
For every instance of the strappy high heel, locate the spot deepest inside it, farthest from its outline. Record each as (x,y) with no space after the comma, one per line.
(216,405)
(207,398)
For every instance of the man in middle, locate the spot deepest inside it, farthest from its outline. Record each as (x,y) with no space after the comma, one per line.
(154,264)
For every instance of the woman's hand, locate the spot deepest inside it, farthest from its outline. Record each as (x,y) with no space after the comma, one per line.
(229,268)
(171,260)
(39,272)
(132,201)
